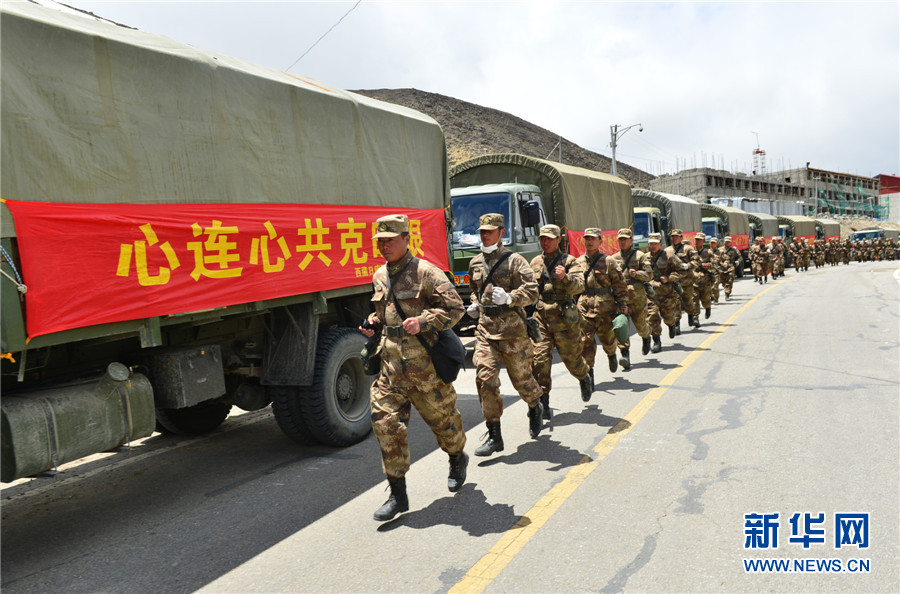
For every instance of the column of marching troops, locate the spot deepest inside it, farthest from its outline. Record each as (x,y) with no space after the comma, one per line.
(576,303)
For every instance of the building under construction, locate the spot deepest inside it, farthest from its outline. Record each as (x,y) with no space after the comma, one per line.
(821,192)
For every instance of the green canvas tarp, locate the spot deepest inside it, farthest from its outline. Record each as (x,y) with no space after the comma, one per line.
(576,198)
(766,224)
(829,227)
(682,212)
(800,226)
(737,220)
(96,112)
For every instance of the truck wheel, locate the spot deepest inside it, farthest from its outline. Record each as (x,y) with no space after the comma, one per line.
(286,408)
(193,420)
(336,406)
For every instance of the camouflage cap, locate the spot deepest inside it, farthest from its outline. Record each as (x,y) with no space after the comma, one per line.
(654,238)
(700,236)
(593,232)
(551,231)
(713,240)
(676,232)
(491,221)
(625,232)
(391,226)
(728,238)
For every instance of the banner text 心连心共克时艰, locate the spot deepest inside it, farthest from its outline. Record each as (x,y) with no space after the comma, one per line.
(88,264)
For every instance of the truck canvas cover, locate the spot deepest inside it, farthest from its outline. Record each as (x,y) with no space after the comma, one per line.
(738,222)
(801,226)
(576,197)
(766,223)
(147,178)
(97,112)
(831,229)
(682,212)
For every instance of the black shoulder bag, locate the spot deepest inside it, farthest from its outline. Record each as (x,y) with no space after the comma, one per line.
(448,355)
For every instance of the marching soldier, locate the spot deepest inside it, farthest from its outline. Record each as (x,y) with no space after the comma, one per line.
(688,300)
(560,280)
(635,268)
(412,297)
(717,268)
(759,257)
(777,257)
(703,276)
(502,283)
(796,250)
(805,253)
(605,296)
(730,259)
(667,270)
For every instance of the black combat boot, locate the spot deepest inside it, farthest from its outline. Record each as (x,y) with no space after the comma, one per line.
(591,375)
(645,345)
(708,312)
(457,476)
(727,296)
(613,364)
(657,345)
(534,420)
(671,331)
(696,321)
(396,503)
(587,388)
(494,442)
(678,328)
(625,360)
(545,404)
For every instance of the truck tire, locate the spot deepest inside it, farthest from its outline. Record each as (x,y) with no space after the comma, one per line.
(193,420)
(288,414)
(336,407)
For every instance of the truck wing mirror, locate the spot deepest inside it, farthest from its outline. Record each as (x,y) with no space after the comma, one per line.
(532,214)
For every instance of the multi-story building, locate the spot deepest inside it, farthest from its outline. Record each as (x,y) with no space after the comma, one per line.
(820,191)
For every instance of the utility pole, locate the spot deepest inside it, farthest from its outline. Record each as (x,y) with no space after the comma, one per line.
(614,135)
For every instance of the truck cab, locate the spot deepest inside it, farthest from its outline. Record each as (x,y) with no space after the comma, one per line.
(714,227)
(648,220)
(521,206)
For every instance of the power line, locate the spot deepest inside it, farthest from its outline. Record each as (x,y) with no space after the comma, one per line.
(352,8)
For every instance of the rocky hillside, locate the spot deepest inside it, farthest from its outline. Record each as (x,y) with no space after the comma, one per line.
(472,130)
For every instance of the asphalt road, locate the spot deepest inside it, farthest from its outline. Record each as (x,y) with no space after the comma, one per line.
(784,402)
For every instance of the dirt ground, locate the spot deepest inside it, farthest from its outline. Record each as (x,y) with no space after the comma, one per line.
(850,225)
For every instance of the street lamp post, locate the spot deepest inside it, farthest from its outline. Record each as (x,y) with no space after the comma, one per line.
(614,135)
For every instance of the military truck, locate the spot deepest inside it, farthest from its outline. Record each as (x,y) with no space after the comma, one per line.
(656,212)
(531,192)
(729,221)
(790,226)
(184,232)
(827,229)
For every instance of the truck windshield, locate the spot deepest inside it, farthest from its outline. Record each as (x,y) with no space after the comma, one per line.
(467,210)
(709,229)
(641,225)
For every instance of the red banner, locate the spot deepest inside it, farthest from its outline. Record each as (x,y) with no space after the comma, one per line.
(608,243)
(87,264)
(741,242)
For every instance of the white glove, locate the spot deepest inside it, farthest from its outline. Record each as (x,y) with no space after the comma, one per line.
(501,297)
(473,311)
(685,266)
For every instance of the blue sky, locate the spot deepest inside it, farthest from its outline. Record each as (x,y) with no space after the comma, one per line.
(818,81)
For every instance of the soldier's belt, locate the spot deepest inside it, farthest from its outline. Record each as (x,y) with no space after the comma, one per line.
(555,298)
(495,310)
(394,331)
(602,291)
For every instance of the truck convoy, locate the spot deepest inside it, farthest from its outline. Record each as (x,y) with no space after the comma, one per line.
(531,192)
(793,226)
(828,230)
(655,212)
(184,232)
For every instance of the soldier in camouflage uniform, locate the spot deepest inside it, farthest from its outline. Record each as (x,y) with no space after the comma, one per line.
(667,270)
(717,267)
(560,280)
(689,302)
(846,250)
(408,378)
(729,258)
(501,337)
(777,257)
(635,266)
(605,296)
(759,259)
(805,253)
(796,249)
(703,275)
(819,253)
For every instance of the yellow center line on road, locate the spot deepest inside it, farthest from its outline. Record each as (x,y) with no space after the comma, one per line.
(501,554)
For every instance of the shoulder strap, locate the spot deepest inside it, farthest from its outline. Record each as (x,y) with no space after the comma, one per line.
(630,256)
(591,265)
(490,274)
(553,265)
